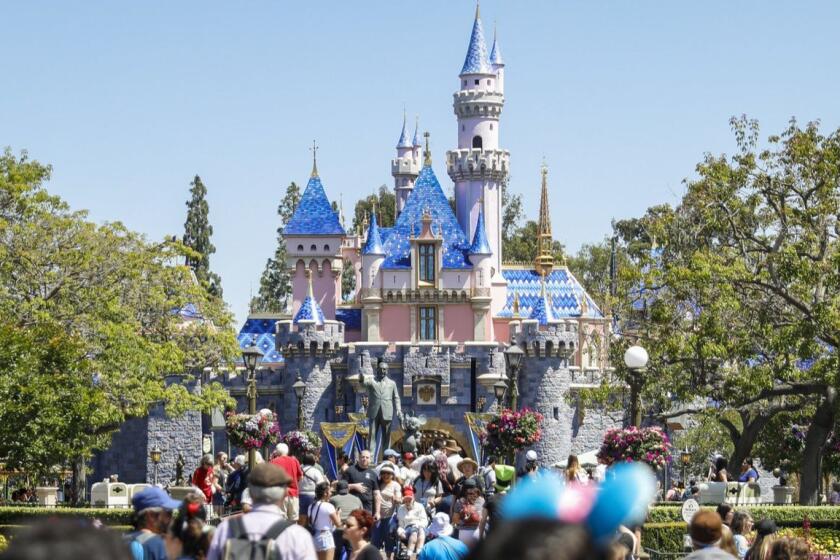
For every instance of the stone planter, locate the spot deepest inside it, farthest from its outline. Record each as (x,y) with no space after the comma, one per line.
(47,496)
(783,494)
(180,492)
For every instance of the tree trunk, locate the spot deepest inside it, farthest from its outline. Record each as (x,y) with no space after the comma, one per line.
(79,482)
(743,445)
(821,426)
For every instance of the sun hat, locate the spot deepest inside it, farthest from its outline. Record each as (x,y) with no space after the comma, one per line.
(387,469)
(154,498)
(440,525)
(468,461)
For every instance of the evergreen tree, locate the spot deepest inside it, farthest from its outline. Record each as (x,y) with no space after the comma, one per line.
(386,208)
(275,282)
(197,233)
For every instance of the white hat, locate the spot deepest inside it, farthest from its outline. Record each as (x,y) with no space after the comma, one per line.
(531,455)
(440,526)
(240,460)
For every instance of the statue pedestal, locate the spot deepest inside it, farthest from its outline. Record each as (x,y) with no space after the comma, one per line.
(783,494)
(180,492)
(47,497)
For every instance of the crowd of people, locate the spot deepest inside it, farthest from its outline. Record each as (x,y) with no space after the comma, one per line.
(438,506)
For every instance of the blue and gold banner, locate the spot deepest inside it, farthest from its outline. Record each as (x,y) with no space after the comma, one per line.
(339,435)
(476,422)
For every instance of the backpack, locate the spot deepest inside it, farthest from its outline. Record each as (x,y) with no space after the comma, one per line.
(310,519)
(240,547)
(135,543)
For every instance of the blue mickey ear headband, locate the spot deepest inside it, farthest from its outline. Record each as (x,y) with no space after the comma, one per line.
(622,499)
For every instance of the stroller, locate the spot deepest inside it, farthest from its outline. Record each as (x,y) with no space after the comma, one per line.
(394,543)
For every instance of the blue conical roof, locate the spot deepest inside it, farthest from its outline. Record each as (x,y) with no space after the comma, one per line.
(496,53)
(480,244)
(403,141)
(309,309)
(427,196)
(416,140)
(543,310)
(373,245)
(476,61)
(314,214)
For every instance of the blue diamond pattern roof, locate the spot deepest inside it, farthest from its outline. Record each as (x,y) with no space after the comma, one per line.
(373,245)
(565,291)
(261,333)
(496,53)
(352,318)
(310,311)
(543,311)
(480,244)
(403,141)
(314,215)
(427,195)
(476,61)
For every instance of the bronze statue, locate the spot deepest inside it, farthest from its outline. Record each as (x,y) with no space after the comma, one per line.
(383,401)
(179,470)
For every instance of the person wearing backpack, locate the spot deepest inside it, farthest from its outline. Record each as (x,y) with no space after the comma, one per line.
(152,513)
(263,533)
(311,478)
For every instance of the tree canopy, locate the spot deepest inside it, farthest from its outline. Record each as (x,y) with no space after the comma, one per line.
(91,325)
(197,234)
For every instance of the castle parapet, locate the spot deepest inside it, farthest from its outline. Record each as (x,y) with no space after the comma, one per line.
(308,338)
(475,164)
(552,340)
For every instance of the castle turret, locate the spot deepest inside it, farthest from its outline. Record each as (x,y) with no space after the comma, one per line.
(479,167)
(481,255)
(405,167)
(373,255)
(545,255)
(313,240)
(497,63)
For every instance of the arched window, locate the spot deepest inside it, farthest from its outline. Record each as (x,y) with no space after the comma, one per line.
(491,126)
(327,248)
(300,247)
(477,142)
(313,247)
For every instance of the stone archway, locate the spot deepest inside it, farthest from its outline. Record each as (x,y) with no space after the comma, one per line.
(433,428)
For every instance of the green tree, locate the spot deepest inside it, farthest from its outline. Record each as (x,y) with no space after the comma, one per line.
(197,234)
(512,213)
(348,281)
(275,282)
(386,208)
(89,327)
(522,245)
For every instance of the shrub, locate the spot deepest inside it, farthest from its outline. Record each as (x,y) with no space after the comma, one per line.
(25,515)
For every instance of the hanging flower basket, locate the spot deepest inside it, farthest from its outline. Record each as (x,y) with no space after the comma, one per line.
(508,432)
(629,445)
(302,443)
(252,431)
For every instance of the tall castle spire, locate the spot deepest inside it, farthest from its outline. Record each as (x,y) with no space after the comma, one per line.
(545,259)
(314,149)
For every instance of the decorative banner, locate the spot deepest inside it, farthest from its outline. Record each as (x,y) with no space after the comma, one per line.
(476,422)
(361,422)
(339,435)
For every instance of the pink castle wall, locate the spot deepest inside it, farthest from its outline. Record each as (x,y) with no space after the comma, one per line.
(501,330)
(458,323)
(324,286)
(395,323)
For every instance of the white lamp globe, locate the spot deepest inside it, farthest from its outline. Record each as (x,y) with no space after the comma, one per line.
(635,357)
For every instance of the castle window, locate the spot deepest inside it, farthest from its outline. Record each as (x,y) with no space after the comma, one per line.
(488,82)
(427,262)
(477,142)
(300,247)
(327,248)
(465,82)
(313,247)
(463,127)
(491,126)
(428,323)
(476,82)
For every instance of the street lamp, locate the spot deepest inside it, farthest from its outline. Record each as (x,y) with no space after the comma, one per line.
(635,358)
(154,455)
(499,390)
(251,355)
(685,459)
(513,359)
(300,389)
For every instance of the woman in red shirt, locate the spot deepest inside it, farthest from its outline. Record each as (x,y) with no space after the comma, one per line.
(204,478)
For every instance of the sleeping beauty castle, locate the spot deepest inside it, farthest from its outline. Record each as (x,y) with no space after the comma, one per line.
(434,298)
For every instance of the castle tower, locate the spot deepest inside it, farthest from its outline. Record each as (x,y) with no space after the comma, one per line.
(545,257)
(313,240)
(480,256)
(373,255)
(405,167)
(478,167)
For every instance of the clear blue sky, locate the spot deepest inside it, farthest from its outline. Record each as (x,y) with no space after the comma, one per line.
(129,100)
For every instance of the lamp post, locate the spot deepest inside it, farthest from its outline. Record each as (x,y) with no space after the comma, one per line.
(513,359)
(299,388)
(685,459)
(154,455)
(251,355)
(499,390)
(635,358)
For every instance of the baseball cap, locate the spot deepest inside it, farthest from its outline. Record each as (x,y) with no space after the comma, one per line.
(408,491)
(531,455)
(342,487)
(391,453)
(154,497)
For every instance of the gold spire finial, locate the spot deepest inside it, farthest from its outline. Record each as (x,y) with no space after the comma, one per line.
(309,281)
(314,149)
(427,154)
(516,304)
(477,9)
(545,259)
